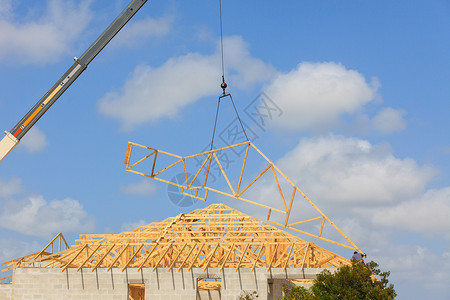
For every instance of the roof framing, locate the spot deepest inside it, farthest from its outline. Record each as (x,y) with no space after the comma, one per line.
(213,237)
(162,162)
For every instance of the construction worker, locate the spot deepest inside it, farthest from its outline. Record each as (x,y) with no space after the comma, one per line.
(359,256)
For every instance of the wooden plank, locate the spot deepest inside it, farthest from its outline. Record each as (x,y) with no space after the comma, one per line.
(147,257)
(226,258)
(117,257)
(242,256)
(273,257)
(304,257)
(187,257)
(224,175)
(162,256)
(211,257)
(87,259)
(176,258)
(128,153)
(68,264)
(279,189)
(288,257)
(133,256)
(254,180)
(196,256)
(242,169)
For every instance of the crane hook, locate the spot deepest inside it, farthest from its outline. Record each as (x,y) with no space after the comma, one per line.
(223,85)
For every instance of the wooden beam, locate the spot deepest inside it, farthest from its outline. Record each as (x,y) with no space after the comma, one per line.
(147,257)
(196,256)
(226,258)
(86,260)
(319,264)
(68,264)
(132,257)
(176,258)
(162,256)
(187,257)
(242,256)
(273,257)
(288,257)
(257,258)
(304,257)
(117,257)
(211,256)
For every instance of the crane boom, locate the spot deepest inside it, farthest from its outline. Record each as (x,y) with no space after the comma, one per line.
(12,138)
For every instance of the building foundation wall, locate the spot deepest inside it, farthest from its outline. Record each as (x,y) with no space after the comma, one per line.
(5,290)
(162,284)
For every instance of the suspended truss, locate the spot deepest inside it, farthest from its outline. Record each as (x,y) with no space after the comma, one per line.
(213,237)
(193,185)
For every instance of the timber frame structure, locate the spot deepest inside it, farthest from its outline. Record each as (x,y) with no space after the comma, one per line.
(213,237)
(161,162)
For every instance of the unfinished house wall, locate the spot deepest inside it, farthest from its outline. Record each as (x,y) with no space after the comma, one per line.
(52,284)
(5,290)
(164,284)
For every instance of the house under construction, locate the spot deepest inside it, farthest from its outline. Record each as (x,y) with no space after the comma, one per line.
(212,253)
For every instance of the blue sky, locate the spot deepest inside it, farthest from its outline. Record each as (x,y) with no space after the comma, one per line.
(362,91)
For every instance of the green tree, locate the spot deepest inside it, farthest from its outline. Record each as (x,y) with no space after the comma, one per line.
(296,293)
(349,282)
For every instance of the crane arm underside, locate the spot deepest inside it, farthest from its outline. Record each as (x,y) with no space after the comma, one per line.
(13,137)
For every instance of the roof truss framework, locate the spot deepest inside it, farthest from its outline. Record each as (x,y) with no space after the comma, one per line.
(49,251)
(214,237)
(198,179)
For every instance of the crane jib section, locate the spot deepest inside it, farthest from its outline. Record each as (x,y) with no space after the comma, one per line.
(41,107)
(13,137)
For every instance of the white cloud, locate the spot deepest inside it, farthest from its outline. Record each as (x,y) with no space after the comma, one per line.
(379,201)
(138,31)
(145,187)
(5,9)
(342,176)
(34,141)
(315,95)
(336,169)
(362,187)
(389,120)
(11,248)
(37,217)
(46,38)
(129,226)
(243,69)
(153,93)
(11,187)
(427,214)
(410,264)
(409,259)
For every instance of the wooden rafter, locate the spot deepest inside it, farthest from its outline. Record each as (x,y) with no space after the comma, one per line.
(213,237)
(235,187)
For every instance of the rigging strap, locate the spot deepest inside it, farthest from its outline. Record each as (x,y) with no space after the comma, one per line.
(223,85)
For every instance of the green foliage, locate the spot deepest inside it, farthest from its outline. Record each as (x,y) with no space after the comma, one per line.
(296,293)
(355,282)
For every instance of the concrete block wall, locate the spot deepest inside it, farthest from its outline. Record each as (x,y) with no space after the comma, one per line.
(164,284)
(52,284)
(167,284)
(5,291)
(209,295)
(234,283)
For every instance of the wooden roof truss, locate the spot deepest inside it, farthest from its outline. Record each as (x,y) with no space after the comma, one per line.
(214,237)
(199,185)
